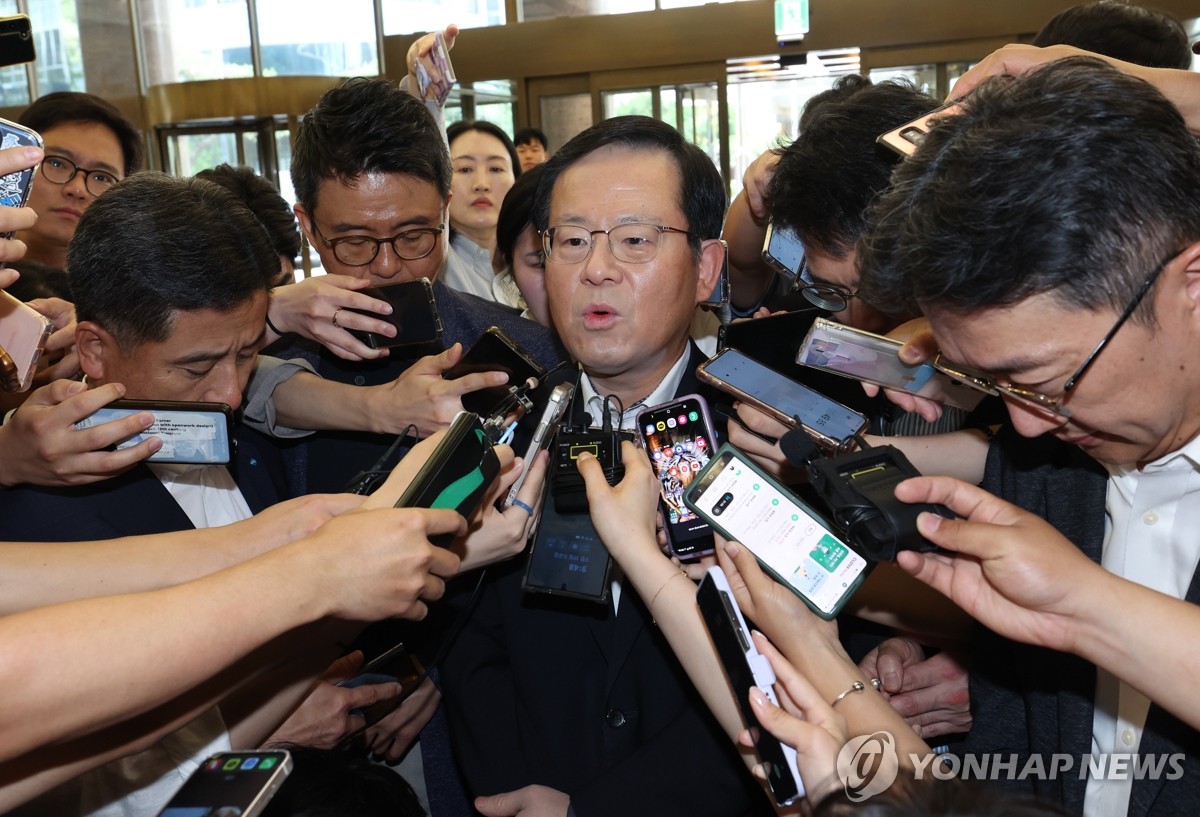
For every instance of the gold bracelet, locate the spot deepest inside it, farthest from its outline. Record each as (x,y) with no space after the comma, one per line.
(661,588)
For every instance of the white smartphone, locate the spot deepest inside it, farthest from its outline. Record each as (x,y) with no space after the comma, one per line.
(789,539)
(560,398)
(231,784)
(745,667)
(849,352)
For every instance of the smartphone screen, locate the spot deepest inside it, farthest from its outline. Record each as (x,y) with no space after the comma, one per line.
(200,433)
(679,441)
(827,420)
(745,667)
(786,536)
(414,314)
(495,351)
(231,784)
(783,251)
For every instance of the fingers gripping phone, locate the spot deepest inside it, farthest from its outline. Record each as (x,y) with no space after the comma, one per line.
(789,539)
(414,314)
(832,425)
(679,440)
(745,667)
(15,187)
(231,784)
(190,432)
(457,473)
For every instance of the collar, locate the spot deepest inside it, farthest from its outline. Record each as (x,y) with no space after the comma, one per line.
(593,401)
(1186,458)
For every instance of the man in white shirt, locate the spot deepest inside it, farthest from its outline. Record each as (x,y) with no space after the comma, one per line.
(1064,259)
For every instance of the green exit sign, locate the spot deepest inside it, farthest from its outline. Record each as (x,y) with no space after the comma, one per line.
(791,19)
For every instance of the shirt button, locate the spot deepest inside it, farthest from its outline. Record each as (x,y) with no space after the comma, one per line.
(359,380)
(1150,518)
(1128,737)
(615,718)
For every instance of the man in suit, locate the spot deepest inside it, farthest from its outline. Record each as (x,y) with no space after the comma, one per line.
(1064,259)
(560,708)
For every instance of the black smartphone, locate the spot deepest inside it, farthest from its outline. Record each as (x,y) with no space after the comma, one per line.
(783,251)
(719,297)
(199,433)
(679,440)
(567,557)
(745,667)
(396,665)
(790,540)
(16,40)
(832,425)
(231,784)
(457,473)
(495,351)
(414,314)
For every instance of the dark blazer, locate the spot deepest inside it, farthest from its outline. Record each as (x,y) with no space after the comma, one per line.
(133,503)
(325,462)
(567,695)
(1029,700)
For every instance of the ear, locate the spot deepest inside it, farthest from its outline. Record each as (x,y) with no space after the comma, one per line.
(97,350)
(713,253)
(306,224)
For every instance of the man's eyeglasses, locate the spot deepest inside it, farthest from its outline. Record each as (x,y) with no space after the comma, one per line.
(632,243)
(821,294)
(360,250)
(60,170)
(1039,400)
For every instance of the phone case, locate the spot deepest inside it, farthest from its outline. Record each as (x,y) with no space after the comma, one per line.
(783,251)
(905,139)
(494,351)
(543,435)
(457,473)
(745,666)
(415,314)
(16,40)
(193,433)
(864,356)
(23,335)
(15,187)
(829,552)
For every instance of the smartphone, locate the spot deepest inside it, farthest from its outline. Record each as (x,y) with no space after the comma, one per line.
(23,335)
(457,473)
(231,784)
(495,351)
(745,667)
(679,440)
(865,356)
(397,665)
(16,40)
(414,314)
(440,55)
(15,187)
(543,435)
(782,251)
(719,297)
(190,432)
(567,557)
(789,539)
(907,138)
(832,425)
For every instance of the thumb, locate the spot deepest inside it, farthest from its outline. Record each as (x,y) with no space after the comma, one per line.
(497,805)
(450,35)
(443,360)
(367,694)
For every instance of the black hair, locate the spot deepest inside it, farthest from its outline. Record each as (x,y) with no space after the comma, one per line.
(367,126)
(459,128)
(155,245)
(264,201)
(527,136)
(933,797)
(65,107)
(1143,36)
(828,177)
(1074,179)
(701,189)
(516,212)
(39,280)
(332,783)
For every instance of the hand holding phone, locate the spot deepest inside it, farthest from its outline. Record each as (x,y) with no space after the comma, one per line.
(231,784)
(543,435)
(200,433)
(494,351)
(414,315)
(429,62)
(679,440)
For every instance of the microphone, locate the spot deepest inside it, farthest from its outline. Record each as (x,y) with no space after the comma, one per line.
(799,448)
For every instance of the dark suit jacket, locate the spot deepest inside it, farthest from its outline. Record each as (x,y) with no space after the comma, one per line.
(1029,700)
(567,695)
(325,462)
(132,503)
